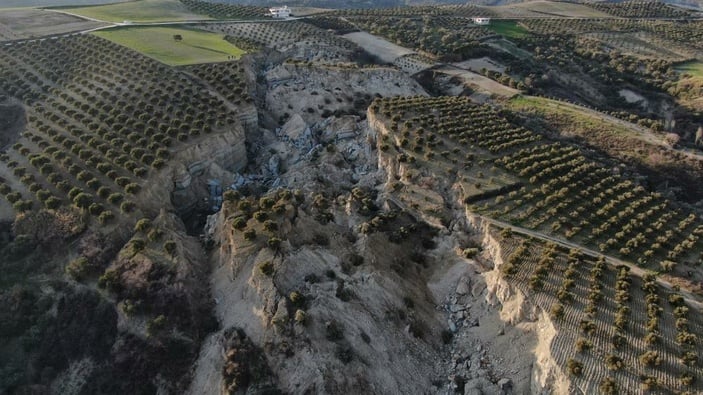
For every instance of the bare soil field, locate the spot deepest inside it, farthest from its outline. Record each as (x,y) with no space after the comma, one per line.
(479,82)
(21,23)
(642,44)
(548,9)
(481,63)
(384,50)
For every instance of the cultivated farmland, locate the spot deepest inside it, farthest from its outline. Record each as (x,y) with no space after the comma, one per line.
(101,121)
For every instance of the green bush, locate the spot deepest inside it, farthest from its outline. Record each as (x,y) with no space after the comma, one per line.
(261,216)
(608,386)
(250,235)
(274,243)
(78,268)
(155,325)
(110,281)
(583,344)
(557,311)
(95,209)
(52,203)
(142,225)
(83,200)
(137,245)
(300,317)
(132,188)
(170,247)
(154,234)
(650,358)
(574,367)
(266,268)
(106,216)
(297,299)
(23,205)
(127,206)
(613,362)
(239,223)
(115,198)
(231,196)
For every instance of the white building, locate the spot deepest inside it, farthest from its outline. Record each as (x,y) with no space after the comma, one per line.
(481,21)
(279,12)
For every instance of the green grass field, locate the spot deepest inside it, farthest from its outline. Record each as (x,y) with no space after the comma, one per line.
(694,68)
(139,11)
(52,3)
(158,43)
(508,29)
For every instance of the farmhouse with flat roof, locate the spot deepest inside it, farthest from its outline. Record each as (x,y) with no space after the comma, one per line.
(280,12)
(481,20)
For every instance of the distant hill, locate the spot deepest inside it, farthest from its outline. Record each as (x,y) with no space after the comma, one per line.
(397,3)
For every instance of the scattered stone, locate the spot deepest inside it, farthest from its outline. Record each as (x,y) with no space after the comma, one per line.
(477,289)
(463,287)
(506,386)
(452,326)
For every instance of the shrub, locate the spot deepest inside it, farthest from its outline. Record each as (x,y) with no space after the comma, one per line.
(687,378)
(574,367)
(22,205)
(83,200)
(270,226)
(78,268)
(266,268)
(583,344)
(154,234)
(170,247)
(231,196)
(300,317)
(261,216)
(137,245)
(115,198)
(132,188)
(52,203)
(686,337)
(142,225)
(244,205)
(127,206)
(619,340)
(250,235)
(105,216)
(239,223)
(469,253)
(689,358)
(333,331)
(613,362)
(297,299)
(155,325)
(557,311)
(266,202)
(274,243)
(110,280)
(608,386)
(649,382)
(650,358)
(95,209)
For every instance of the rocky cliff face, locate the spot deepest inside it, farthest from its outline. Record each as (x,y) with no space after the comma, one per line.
(342,291)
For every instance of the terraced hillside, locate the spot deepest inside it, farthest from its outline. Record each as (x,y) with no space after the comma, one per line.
(615,332)
(292,37)
(103,124)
